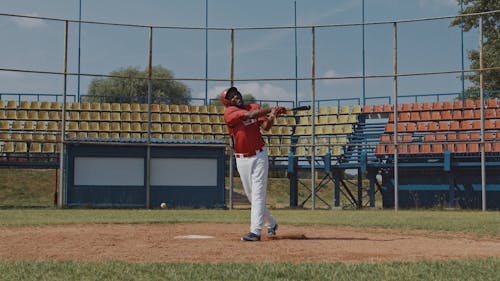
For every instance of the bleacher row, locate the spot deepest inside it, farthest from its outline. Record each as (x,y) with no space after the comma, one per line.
(35,127)
(432,128)
(32,127)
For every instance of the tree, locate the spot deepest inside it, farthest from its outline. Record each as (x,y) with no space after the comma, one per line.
(491,45)
(247,98)
(134,88)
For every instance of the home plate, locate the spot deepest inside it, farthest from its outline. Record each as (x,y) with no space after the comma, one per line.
(193,237)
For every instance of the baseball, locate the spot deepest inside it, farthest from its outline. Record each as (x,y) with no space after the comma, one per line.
(163,205)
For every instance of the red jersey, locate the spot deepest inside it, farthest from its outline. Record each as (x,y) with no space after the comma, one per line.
(245,133)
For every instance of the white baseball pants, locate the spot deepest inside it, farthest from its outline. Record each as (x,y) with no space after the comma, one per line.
(253,173)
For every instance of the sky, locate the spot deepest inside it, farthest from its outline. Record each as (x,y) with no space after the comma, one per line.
(423,46)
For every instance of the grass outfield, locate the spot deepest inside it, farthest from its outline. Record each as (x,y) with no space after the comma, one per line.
(480,269)
(473,222)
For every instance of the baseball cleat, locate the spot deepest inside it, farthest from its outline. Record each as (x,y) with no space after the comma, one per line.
(271,231)
(251,237)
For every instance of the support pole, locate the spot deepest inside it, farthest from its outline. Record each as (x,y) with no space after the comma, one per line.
(148,147)
(336,191)
(231,160)
(313,114)
(61,192)
(481,97)
(360,189)
(395,90)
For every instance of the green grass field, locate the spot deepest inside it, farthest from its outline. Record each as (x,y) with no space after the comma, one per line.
(17,188)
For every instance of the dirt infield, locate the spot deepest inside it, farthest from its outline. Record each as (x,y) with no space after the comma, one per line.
(206,242)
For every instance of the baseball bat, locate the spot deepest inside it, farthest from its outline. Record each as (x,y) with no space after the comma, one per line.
(298,108)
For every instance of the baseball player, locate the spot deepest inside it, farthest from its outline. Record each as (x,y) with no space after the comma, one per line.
(244,123)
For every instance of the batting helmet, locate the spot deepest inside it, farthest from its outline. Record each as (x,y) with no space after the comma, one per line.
(224,96)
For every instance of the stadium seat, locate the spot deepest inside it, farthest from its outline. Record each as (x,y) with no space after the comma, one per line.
(425,115)
(456,114)
(457,104)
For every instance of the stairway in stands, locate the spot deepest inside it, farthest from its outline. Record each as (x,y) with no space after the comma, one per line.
(365,137)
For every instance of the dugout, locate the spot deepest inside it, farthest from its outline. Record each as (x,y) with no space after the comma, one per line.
(116,174)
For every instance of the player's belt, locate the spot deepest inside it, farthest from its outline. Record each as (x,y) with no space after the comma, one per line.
(249,154)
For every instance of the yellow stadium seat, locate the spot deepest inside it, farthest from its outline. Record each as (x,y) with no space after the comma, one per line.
(125,127)
(203,109)
(135,117)
(347,129)
(54,115)
(174,108)
(55,105)
(124,135)
(125,116)
(115,106)
(38,137)
(344,110)
(356,109)
(29,126)
(323,110)
(11,114)
(125,107)
(48,148)
(156,128)
(85,115)
(36,105)
(165,117)
(11,104)
(196,128)
(176,128)
(144,107)
(155,107)
(95,106)
(195,118)
(21,147)
(103,126)
(176,118)
(17,126)
(44,115)
(352,119)
(185,118)
(205,119)
(166,128)
(53,126)
(300,130)
(8,147)
(343,119)
(22,114)
(300,151)
(206,129)
(135,107)
(164,108)
(27,136)
(155,117)
(35,147)
(24,105)
(105,116)
(212,109)
(105,106)
(336,150)
(85,106)
(82,126)
(4,125)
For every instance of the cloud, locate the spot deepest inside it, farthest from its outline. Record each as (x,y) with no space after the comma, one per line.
(333,73)
(29,23)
